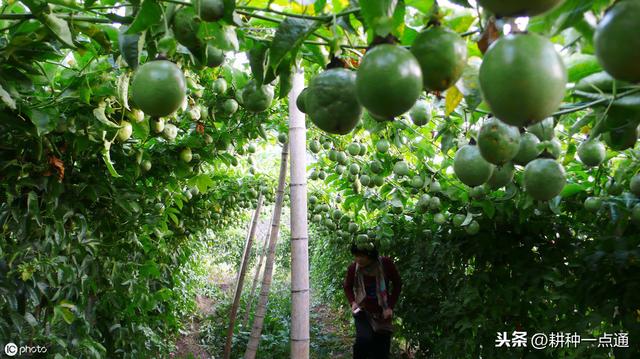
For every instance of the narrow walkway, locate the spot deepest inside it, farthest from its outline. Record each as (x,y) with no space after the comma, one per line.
(188,346)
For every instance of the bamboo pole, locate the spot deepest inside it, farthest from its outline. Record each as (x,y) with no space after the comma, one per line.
(240,278)
(299,237)
(255,281)
(261,309)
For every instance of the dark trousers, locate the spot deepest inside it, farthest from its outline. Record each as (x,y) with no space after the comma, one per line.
(369,344)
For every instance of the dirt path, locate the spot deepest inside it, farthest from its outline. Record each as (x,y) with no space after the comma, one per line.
(331,337)
(188,345)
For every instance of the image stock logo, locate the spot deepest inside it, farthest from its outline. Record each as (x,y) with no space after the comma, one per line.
(11,349)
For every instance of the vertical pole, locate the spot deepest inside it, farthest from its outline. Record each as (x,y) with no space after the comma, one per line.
(240,279)
(261,309)
(299,237)
(255,280)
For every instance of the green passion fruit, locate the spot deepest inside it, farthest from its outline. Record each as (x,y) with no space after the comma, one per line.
(498,142)
(354,149)
(635,214)
(382,146)
(592,152)
(501,176)
(186,155)
(544,179)
(230,106)
(219,86)
(621,126)
(211,10)
(314,146)
(634,185)
(617,42)
(125,131)
(300,101)
(523,79)
(592,204)
(401,168)
(389,81)
(420,113)
(470,167)
(158,88)
(215,56)
(473,228)
(185,28)
(544,130)
(528,150)
(442,55)
(331,101)
(256,98)
(514,8)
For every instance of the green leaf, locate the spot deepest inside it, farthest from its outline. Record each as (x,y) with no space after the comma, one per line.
(257,57)
(6,98)
(488,208)
(222,37)
(41,120)
(424,6)
(560,18)
(64,310)
(123,89)
(106,156)
(98,113)
(378,15)
(286,81)
(464,3)
(470,84)
(59,28)
(229,12)
(203,182)
(96,33)
(174,218)
(580,66)
(571,189)
(130,47)
(398,25)
(31,320)
(584,121)
(33,207)
(150,269)
(290,34)
(318,6)
(149,14)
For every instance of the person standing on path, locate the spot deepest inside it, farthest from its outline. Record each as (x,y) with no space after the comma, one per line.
(367,288)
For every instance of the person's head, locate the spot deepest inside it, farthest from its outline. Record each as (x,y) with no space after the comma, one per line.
(364,255)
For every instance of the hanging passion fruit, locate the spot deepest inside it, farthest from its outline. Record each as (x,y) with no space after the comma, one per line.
(498,142)
(158,88)
(617,42)
(442,55)
(331,101)
(470,167)
(523,79)
(389,81)
(544,179)
(513,8)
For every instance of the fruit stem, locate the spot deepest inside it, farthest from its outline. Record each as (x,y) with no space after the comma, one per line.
(95,20)
(596,102)
(186,3)
(326,18)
